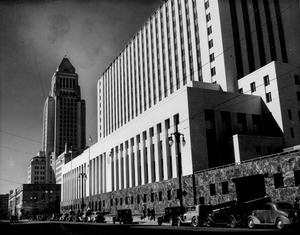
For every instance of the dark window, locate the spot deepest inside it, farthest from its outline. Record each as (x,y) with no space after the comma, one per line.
(178,193)
(213,71)
(258,148)
(169,194)
(121,201)
(268,97)
(208,18)
(297,79)
(116,200)
(241,90)
(206,4)
(145,198)
(152,197)
(138,199)
(242,122)
(160,196)
(225,189)
(210,43)
(290,114)
(266,80)
(111,203)
(278,180)
(297,177)
(292,133)
(253,87)
(212,57)
(209,30)
(201,200)
(132,199)
(212,189)
(298,95)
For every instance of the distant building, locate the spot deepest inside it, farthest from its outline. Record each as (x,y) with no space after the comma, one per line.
(64,117)
(4,206)
(32,199)
(37,169)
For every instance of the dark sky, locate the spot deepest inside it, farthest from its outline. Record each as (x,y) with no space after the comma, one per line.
(34,38)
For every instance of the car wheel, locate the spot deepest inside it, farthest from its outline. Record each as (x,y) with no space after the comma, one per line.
(279,224)
(208,223)
(195,221)
(232,222)
(250,223)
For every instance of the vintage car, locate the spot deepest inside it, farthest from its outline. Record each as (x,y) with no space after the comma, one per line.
(280,214)
(97,217)
(171,215)
(123,216)
(195,215)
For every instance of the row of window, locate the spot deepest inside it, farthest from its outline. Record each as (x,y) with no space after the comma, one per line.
(134,65)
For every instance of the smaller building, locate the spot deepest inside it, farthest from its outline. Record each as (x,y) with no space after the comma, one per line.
(33,199)
(4,206)
(37,169)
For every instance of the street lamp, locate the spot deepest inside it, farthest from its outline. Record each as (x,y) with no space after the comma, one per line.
(83,176)
(177,135)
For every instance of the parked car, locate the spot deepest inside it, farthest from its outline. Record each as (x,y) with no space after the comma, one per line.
(97,217)
(64,217)
(171,215)
(280,214)
(86,216)
(55,217)
(195,215)
(123,216)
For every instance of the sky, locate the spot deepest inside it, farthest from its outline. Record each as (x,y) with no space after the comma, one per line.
(35,35)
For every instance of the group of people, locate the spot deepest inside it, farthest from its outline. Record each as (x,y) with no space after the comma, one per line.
(149,213)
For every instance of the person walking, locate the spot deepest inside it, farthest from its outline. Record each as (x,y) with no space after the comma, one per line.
(152,214)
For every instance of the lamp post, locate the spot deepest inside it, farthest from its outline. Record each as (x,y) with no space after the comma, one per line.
(177,135)
(83,176)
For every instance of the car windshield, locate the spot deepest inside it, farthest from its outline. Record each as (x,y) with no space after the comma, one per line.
(284,205)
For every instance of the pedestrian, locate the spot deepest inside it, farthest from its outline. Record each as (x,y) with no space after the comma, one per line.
(144,213)
(148,213)
(296,204)
(152,214)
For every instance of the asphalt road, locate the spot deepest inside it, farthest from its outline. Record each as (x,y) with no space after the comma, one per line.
(73,228)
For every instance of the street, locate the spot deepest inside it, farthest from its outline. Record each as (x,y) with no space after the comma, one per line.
(63,228)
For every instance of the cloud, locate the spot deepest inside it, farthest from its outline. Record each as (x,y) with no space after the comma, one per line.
(58,27)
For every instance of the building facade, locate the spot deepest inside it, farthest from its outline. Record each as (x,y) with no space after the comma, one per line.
(37,169)
(33,199)
(183,72)
(64,117)
(4,206)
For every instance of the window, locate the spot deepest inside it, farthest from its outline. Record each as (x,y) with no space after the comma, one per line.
(209,30)
(298,95)
(290,114)
(258,148)
(208,17)
(160,196)
(138,199)
(212,57)
(206,4)
(253,87)
(169,194)
(213,71)
(297,177)
(297,79)
(111,203)
(278,180)
(210,43)
(152,197)
(132,199)
(225,189)
(201,200)
(241,91)
(145,198)
(178,193)
(268,97)
(292,133)
(212,189)
(266,80)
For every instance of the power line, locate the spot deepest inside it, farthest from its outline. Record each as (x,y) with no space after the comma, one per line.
(32,154)
(22,137)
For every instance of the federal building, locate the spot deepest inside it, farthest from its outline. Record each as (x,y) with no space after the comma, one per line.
(217,78)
